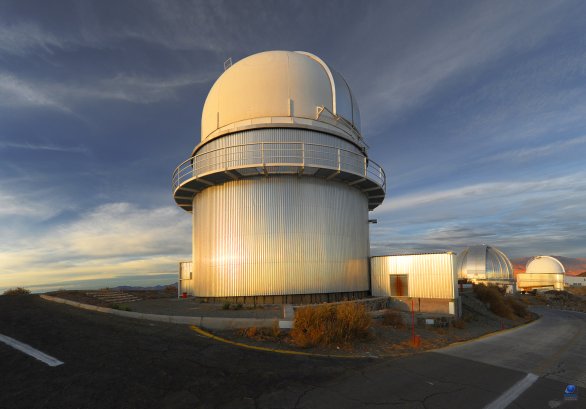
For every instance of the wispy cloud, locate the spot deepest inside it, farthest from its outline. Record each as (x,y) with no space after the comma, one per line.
(536,152)
(574,184)
(134,88)
(521,216)
(43,147)
(17,92)
(111,240)
(21,38)
(411,69)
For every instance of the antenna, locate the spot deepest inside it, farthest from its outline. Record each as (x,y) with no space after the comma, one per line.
(227,63)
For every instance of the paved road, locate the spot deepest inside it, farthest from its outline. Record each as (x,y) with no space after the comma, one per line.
(553,347)
(113,362)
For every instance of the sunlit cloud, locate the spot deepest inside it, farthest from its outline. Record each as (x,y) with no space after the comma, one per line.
(111,240)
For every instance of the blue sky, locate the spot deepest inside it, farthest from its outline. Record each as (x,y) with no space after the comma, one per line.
(476,110)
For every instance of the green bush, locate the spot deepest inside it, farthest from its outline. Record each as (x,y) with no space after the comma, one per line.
(330,324)
(17,291)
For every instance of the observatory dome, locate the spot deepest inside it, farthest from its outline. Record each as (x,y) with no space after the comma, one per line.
(280,89)
(544,265)
(484,264)
(280,185)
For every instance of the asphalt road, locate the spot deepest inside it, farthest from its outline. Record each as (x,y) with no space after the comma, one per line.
(553,347)
(114,362)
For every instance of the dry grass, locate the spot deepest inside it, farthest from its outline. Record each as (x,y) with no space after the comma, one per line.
(495,299)
(17,291)
(262,334)
(328,325)
(519,308)
(393,318)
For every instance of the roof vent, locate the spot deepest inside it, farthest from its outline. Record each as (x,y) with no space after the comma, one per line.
(227,63)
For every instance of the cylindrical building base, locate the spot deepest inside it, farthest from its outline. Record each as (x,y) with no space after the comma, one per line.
(279,235)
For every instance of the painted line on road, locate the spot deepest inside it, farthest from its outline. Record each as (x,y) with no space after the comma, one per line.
(27,349)
(277,351)
(513,392)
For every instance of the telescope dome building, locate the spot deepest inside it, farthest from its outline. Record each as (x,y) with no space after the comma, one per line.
(485,265)
(280,185)
(542,272)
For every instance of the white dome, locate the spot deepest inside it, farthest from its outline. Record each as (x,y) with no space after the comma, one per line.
(484,263)
(544,265)
(280,89)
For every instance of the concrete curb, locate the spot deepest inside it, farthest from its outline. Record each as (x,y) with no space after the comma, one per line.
(203,322)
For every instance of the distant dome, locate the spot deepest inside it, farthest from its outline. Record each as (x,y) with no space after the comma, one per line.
(484,263)
(544,265)
(280,89)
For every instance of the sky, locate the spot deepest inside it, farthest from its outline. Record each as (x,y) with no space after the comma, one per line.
(476,111)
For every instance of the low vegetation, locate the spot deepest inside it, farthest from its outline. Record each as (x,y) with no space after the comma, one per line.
(262,334)
(229,306)
(327,324)
(16,291)
(519,308)
(498,303)
(393,318)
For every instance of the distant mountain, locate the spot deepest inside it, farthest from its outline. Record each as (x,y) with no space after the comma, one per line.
(153,288)
(573,266)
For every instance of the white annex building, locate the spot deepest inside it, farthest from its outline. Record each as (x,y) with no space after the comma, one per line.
(542,273)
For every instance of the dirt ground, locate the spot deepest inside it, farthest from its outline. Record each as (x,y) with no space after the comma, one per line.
(384,340)
(572,299)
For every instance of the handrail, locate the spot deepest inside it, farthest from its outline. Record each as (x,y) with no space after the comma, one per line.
(266,154)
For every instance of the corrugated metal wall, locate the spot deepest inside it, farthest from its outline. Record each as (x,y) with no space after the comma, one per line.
(540,280)
(185,277)
(279,235)
(430,275)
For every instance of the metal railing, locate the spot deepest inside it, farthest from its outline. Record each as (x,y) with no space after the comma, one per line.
(282,154)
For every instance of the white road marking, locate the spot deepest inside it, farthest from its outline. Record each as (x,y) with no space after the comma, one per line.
(27,349)
(513,392)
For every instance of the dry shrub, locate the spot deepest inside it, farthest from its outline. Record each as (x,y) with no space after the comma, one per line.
(251,332)
(460,324)
(261,334)
(17,291)
(495,299)
(518,307)
(275,330)
(393,318)
(330,324)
